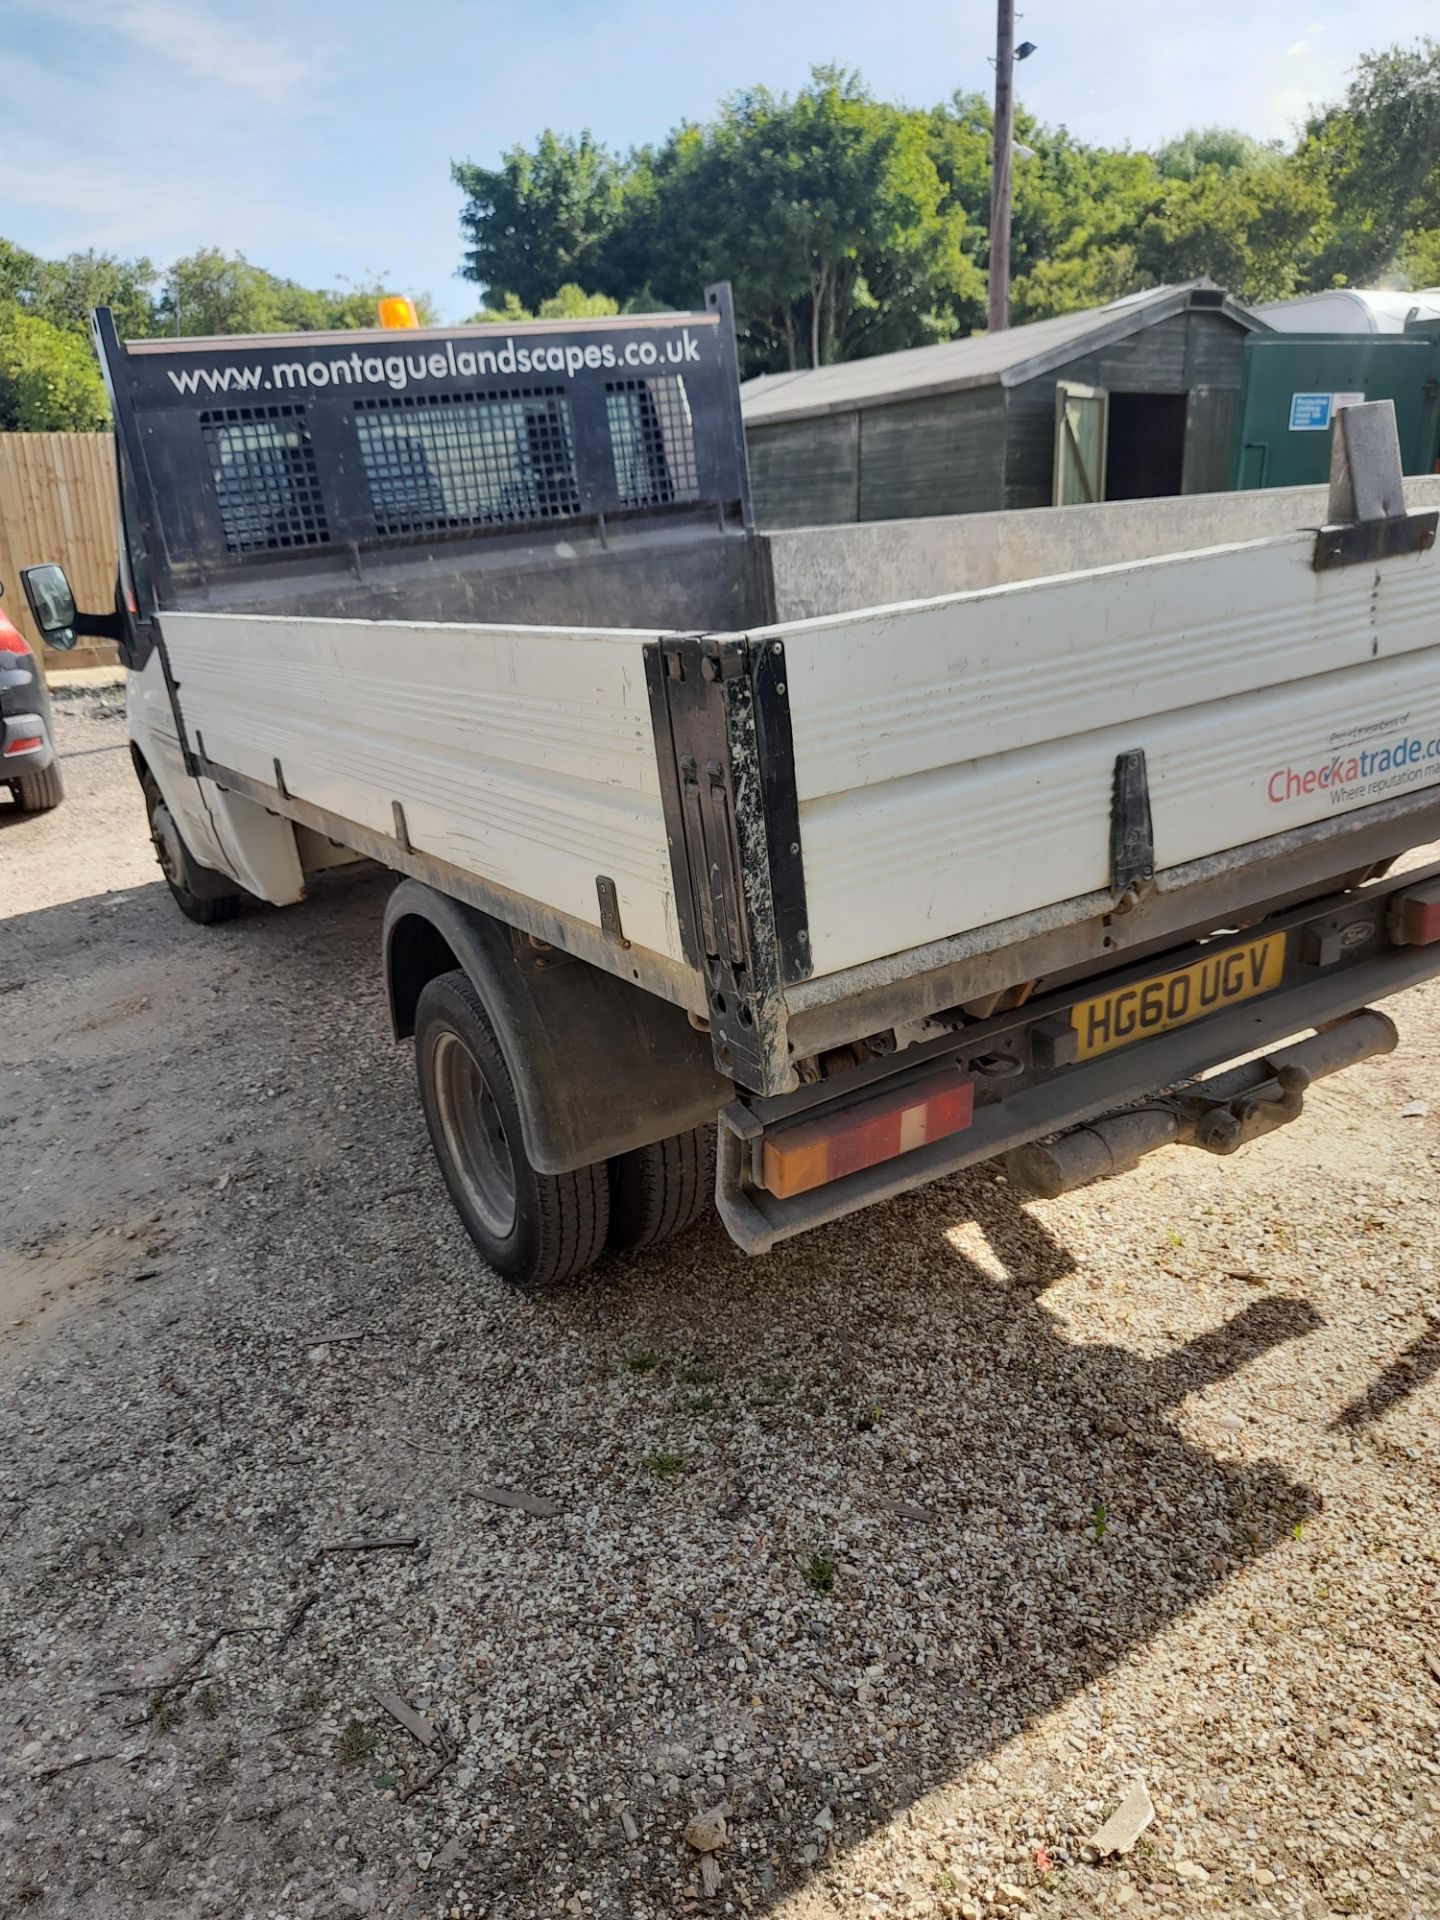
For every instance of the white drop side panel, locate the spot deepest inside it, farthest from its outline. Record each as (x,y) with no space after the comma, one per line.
(523,755)
(954,757)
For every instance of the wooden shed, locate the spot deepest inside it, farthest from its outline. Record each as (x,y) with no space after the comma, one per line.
(1122,402)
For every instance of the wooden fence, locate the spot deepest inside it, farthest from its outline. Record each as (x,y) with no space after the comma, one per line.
(57,502)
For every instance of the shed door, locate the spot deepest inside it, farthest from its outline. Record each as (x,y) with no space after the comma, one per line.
(1082,417)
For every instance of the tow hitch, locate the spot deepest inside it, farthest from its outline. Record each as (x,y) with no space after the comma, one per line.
(1220,1114)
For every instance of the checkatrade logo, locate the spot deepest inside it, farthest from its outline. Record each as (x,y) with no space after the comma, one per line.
(1354,770)
(397,372)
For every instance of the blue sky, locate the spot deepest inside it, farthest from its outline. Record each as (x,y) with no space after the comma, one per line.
(315,136)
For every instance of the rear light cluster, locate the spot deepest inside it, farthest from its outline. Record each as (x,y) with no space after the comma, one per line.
(1415,916)
(11,641)
(26,743)
(811,1153)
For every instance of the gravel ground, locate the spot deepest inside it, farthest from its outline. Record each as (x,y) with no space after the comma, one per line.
(914,1545)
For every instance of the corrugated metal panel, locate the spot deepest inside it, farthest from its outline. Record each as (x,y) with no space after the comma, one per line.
(942,455)
(805,473)
(523,755)
(954,759)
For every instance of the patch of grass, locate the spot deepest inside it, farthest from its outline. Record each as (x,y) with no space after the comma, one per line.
(166,1713)
(209,1703)
(644,1362)
(695,1376)
(1297,1532)
(868,1419)
(701,1403)
(355,1745)
(819,1571)
(1175,1239)
(664,1465)
(312,1701)
(1097,1519)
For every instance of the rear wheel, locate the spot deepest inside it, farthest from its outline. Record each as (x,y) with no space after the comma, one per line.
(38,792)
(201,894)
(536,1229)
(660,1190)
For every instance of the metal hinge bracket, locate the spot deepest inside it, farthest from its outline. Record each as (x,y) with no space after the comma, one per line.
(1132,835)
(707,740)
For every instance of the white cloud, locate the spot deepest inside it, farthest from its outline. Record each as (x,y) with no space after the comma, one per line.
(208,46)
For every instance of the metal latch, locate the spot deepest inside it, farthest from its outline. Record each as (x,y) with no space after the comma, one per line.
(1132,834)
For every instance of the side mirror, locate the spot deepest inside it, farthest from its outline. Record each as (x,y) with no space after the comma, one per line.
(52,604)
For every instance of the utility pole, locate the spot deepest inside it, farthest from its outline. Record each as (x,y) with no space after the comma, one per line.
(998,292)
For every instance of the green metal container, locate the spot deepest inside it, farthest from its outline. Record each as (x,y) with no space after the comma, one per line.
(1293,384)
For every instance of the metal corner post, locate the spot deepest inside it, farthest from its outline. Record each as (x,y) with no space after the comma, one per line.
(719,300)
(722,774)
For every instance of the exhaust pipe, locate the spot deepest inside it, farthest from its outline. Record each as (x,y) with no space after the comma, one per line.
(1220,1115)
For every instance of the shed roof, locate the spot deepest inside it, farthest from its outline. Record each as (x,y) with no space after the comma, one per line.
(985,359)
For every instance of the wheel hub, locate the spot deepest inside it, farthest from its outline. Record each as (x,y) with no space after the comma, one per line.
(166,838)
(474,1133)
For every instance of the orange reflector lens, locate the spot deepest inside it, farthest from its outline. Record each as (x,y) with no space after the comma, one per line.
(812,1152)
(396,311)
(27,744)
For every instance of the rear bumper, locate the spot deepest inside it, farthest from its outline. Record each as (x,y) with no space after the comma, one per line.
(26,745)
(1313,993)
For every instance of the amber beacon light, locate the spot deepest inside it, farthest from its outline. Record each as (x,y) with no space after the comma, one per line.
(396,311)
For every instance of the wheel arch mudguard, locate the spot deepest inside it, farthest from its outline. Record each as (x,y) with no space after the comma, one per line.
(599,1065)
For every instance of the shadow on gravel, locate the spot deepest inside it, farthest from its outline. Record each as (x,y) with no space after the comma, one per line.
(832,1526)
(1406,1374)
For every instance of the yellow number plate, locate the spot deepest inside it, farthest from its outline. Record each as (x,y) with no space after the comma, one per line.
(1221,979)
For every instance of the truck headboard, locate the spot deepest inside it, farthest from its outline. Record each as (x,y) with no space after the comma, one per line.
(281,461)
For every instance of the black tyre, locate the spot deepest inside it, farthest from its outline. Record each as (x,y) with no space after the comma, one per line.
(202,895)
(38,792)
(536,1229)
(658,1191)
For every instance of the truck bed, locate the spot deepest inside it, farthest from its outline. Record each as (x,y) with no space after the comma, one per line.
(953,757)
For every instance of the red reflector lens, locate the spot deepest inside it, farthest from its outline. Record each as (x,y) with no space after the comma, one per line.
(27,743)
(10,640)
(1415,916)
(812,1152)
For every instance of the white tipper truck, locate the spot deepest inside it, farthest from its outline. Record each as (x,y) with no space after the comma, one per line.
(866,853)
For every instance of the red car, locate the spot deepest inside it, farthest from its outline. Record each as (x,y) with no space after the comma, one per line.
(29,764)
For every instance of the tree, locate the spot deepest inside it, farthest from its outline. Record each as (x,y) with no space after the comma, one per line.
(211,292)
(1078,210)
(825,211)
(49,382)
(1376,155)
(63,292)
(1419,259)
(833,222)
(1255,231)
(68,290)
(1224,147)
(569,303)
(540,220)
